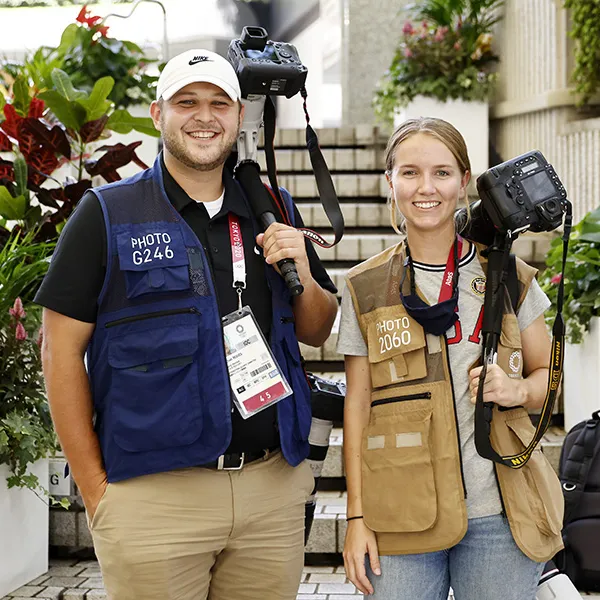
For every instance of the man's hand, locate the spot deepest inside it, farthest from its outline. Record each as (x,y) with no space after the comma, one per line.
(281,241)
(93,494)
(498,387)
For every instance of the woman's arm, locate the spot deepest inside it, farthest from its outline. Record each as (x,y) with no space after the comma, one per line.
(360,540)
(530,391)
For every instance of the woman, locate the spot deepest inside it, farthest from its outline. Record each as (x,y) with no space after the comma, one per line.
(425,511)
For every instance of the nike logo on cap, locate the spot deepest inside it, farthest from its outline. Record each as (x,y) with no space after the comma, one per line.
(199,59)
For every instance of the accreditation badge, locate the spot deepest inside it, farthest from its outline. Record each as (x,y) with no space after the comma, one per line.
(254,375)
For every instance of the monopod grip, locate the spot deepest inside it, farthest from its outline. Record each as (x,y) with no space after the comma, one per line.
(287,266)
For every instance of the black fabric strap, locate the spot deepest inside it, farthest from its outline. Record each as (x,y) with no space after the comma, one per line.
(327,193)
(577,466)
(484,410)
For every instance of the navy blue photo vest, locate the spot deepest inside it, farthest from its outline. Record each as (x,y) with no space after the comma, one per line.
(156,360)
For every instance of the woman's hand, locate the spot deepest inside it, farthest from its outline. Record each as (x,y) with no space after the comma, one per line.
(498,387)
(360,540)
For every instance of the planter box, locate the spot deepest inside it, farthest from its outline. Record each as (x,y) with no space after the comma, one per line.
(581,381)
(470,118)
(24,532)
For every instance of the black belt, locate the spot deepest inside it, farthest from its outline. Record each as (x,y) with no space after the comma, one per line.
(234,461)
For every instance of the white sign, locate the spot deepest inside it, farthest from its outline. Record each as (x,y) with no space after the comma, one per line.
(58,484)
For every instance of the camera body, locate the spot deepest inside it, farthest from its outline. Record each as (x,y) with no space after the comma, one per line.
(265,67)
(523,193)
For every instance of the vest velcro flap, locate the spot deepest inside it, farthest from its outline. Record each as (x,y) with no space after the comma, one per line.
(398,486)
(396,346)
(159,344)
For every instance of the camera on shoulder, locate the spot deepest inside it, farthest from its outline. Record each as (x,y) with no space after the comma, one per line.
(265,67)
(521,194)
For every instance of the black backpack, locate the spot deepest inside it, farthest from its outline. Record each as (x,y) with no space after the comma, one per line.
(580,478)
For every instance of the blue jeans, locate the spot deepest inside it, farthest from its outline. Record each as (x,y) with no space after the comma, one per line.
(485,565)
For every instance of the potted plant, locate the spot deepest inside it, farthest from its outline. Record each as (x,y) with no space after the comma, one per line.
(26,433)
(442,68)
(87,55)
(581,314)
(585,30)
(45,131)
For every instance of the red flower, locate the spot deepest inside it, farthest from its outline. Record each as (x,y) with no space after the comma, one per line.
(20,333)
(408,28)
(103,30)
(82,16)
(556,279)
(17,310)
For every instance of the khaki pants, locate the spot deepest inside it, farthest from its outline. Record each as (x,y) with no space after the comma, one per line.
(197,534)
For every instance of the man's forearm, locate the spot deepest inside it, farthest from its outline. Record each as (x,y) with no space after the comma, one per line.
(315,311)
(71,405)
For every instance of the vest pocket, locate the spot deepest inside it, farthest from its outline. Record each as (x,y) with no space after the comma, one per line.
(398,488)
(169,279)
(538,485)
(155,400)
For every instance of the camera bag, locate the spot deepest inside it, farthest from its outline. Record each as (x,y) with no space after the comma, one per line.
(579,473)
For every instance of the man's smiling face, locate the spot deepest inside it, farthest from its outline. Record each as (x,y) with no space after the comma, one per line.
(199,125)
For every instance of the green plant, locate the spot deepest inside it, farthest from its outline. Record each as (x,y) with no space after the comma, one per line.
(582,277)
(26,432)
(446,56)
(47,130)
(86,53)
(585,18)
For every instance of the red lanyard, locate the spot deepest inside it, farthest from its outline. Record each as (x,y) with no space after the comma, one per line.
(447,288)
(237,256)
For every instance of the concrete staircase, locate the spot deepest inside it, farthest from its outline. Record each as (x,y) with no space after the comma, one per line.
(355,156)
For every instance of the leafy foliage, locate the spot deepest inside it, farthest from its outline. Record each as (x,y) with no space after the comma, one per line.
(582,277)
(447,56)
(86,53)
(46,130)
(585,18)
(26,433)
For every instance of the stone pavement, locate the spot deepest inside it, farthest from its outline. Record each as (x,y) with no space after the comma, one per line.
(81,580)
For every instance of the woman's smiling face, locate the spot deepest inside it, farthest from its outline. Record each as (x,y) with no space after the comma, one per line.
(427,183)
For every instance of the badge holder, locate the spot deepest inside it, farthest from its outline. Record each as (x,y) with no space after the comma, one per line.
(256,379)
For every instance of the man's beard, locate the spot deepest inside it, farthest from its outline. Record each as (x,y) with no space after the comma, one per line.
(180,152)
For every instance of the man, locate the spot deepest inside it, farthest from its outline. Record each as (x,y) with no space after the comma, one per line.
(186,499)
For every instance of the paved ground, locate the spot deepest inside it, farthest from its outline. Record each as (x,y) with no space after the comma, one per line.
(73,580)
(81,580)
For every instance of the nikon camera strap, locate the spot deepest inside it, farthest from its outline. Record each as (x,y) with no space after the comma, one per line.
(496,287)
(325,185)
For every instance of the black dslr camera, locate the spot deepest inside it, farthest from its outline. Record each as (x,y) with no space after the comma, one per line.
(265,67)
(523,193)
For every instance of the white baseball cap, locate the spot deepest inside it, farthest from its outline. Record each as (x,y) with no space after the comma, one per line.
(197,65)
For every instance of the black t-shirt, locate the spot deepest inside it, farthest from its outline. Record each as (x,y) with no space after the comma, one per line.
(74,280)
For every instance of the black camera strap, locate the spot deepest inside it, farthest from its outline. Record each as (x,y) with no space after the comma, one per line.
(496,290)
(327,192)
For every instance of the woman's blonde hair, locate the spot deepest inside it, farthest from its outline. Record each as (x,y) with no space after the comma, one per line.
(439,129)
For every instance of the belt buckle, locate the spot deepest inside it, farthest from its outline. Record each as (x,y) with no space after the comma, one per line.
(221,461)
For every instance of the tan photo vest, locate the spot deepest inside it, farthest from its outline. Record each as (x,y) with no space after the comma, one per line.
(413,491)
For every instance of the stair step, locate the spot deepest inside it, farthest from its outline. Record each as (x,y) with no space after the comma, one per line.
(356,214)
(358,135)
(371,185)
(337,159)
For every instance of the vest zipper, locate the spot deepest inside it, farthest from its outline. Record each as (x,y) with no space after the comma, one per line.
(421,396)
(160,313)
(462,472)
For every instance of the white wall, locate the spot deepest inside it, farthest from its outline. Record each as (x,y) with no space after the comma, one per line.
(324,99)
